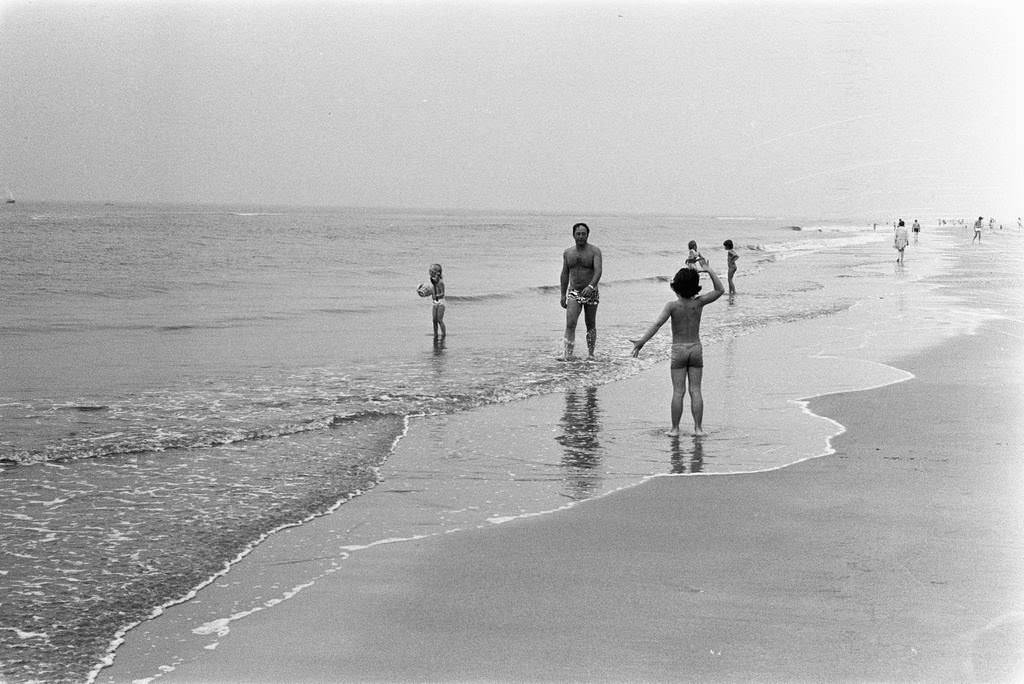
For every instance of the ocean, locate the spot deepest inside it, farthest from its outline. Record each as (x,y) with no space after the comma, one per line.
(177,383)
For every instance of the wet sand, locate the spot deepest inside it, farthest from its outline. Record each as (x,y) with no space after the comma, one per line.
(898,557)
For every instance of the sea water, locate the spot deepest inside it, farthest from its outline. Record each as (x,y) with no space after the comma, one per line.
(176,383)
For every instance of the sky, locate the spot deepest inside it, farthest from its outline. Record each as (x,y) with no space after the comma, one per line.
(742,108)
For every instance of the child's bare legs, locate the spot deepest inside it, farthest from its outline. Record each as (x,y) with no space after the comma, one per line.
(732,288)
(678,392)
(695,376)
(439,320)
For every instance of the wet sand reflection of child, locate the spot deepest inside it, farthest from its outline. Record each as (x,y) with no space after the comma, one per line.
(685,460)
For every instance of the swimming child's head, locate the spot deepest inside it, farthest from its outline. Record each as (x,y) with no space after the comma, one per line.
(435,271)
(692,244)
(727,244)
(686,283)
(901,222)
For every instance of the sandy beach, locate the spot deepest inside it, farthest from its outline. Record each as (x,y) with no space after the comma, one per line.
(899,557)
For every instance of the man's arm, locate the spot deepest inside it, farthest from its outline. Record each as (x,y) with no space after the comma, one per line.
(719,290)
(565,277)
(596,278)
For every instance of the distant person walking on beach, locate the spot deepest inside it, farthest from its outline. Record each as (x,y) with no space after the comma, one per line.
(687,352)
(977,230)
(900,242)
(731,258)
(581,272)
(916,228)
(694,256)
(436,293)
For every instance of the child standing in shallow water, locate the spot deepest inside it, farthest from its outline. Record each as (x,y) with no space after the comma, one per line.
(687,353)
(694,256)
(436,293)
(731,258)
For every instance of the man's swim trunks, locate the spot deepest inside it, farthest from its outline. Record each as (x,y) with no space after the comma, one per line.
(687,355)
(578,296)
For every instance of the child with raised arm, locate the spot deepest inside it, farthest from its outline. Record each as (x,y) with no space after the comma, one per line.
(731,258)
(436,293)
(687,353)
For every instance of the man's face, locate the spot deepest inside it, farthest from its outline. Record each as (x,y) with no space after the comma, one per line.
(580,234)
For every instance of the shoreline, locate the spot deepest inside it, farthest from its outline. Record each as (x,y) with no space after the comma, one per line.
(846,566)
(843,339)
(121,635)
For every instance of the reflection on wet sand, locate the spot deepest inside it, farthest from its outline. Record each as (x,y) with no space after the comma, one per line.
(687,455)
(439,359)
(578,435)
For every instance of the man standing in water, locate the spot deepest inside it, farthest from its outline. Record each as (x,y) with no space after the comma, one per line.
(581,271)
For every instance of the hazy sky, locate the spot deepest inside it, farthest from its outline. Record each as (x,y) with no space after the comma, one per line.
(828,109)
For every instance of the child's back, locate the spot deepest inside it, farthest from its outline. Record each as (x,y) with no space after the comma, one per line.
(686,314)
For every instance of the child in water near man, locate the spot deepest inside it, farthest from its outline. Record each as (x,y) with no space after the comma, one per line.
(731,258)
(436,292)
(687,353)
(693,256)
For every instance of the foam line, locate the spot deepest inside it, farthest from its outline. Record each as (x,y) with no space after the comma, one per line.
(119,636)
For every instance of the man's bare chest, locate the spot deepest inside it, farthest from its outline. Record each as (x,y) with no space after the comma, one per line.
(579,259)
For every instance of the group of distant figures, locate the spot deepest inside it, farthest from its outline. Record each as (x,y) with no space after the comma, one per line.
(900,240)
(980,223)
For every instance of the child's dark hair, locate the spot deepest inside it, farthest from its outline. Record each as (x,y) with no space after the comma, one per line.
(727,244)
(686,283)
(692,244)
